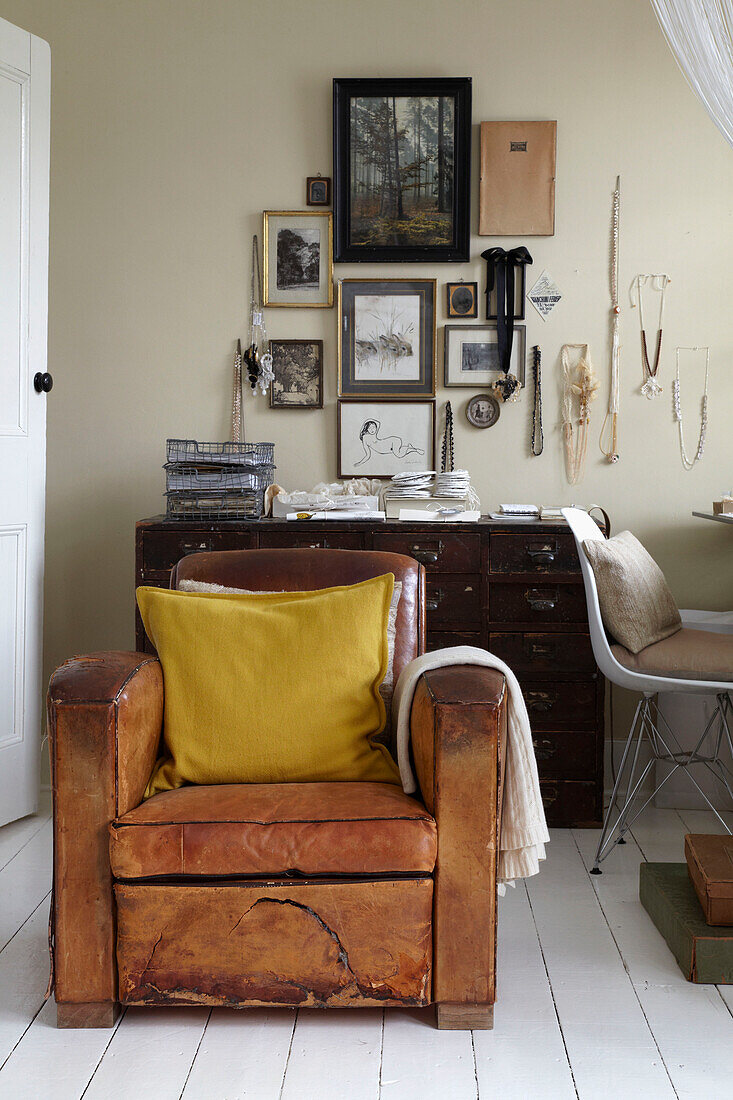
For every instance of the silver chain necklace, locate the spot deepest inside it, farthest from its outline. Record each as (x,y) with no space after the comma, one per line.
(687,462)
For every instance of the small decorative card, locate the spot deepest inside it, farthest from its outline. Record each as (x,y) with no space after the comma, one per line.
(544,295)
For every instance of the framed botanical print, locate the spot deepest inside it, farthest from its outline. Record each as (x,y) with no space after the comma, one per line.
(298,246)
(386,344)
(298,369)
(471,355)
(402,167)
(383,438)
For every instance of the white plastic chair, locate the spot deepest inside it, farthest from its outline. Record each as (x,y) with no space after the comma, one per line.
(647,719)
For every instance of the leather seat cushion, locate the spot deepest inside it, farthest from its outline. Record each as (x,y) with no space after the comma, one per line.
(273,829)
(688,655)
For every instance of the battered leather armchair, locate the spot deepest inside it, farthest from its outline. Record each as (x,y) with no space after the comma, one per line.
(322,894)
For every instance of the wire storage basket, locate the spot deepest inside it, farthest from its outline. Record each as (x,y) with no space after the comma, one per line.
(193,453)
(217,480)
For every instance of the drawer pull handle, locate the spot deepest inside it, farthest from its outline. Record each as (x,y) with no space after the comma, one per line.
(540,700)
(425,556)
(541,602)
(432,603)
(541,650)
(544,749)
(195,548)
(543,554)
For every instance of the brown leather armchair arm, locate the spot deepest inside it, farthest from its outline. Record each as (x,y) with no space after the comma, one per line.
(458,732)
(105,716)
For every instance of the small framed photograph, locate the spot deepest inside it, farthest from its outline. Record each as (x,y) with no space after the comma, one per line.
(318,191)
(383,438)
(462,299)
(471,355)
(298,246)
(298,369)
(483,410)
(386,344)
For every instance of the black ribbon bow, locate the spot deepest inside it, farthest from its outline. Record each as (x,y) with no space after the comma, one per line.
(500,265)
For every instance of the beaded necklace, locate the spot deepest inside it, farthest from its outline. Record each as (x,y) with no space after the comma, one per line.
(611,418)
(650,387)
(687,462)
(538,438)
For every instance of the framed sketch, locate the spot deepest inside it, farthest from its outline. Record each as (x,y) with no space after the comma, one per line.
(298,247)
(298,369)
(383,438)
(462,299)
(471,355)
(402,168)
(318,191)
(386,344)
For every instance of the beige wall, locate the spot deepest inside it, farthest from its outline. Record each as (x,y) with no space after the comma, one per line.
(175,122)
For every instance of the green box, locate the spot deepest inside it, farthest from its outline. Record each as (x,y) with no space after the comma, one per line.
(705,954)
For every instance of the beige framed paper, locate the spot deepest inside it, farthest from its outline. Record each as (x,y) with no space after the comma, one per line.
(517,184)
(298,247)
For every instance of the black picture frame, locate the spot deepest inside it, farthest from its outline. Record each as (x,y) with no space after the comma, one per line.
(520,292)
(457,250)
(318,191)
(379,357)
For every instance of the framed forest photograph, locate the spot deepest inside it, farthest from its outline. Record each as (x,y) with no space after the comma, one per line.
(298,369)
(402,168)
(298,255)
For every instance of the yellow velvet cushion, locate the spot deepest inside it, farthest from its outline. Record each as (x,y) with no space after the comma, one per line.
(271,688)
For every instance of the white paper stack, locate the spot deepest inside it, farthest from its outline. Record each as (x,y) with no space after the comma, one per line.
(416,483)
(453,483)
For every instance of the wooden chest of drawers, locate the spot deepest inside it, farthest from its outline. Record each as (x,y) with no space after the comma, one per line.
(513,588)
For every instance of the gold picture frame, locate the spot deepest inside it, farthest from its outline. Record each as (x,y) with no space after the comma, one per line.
(299,274)
(387,338)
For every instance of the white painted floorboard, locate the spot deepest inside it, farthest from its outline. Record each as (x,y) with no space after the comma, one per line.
(592,1005)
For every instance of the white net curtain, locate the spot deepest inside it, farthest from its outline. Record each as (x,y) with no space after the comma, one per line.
(699,33)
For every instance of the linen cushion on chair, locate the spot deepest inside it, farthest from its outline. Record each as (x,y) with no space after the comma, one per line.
(274,829)
(637,606)
(687,654)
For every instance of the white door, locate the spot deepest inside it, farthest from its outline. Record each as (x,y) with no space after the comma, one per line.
(25,82)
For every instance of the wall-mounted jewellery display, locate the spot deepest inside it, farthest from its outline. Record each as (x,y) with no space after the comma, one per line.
(298,258)
(383,438)
(538,438)
(517,185)
(687,462)
(650,386)
(257,359)
(580,386)
(609,430)
(462,299)
(483,410)
(386,345)
(297,367)
(402,168)
(318,191)
(471,355)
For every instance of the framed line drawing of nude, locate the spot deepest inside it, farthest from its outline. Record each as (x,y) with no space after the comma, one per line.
(383,438)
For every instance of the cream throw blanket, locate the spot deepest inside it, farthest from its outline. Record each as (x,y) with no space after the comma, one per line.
(523,827)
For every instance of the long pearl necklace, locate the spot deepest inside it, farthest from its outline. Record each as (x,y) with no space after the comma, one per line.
(611,419)
(650,387)
(687,462)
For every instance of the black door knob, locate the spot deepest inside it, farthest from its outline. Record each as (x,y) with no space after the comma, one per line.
(43,383)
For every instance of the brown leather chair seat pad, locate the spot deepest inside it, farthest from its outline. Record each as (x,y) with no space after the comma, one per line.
(273,829)
(688,654)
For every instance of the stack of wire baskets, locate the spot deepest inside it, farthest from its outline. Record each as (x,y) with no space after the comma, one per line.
(217,480)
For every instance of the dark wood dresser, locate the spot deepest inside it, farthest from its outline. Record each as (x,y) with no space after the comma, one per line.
(511,587)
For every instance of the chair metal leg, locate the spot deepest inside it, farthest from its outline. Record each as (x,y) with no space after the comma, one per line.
(665,746)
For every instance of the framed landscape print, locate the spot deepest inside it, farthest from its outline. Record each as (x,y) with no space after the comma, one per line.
(298,369)
(402,168)
(386,342)
(383,438)
(298,247)
(471,355)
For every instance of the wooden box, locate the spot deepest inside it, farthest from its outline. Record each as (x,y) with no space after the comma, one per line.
(705,954)
(710,864)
